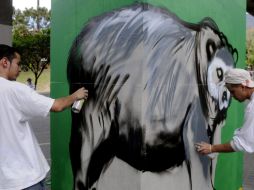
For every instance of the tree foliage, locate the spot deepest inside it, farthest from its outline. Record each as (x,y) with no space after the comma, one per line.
(31,19)
(250,48)
(31,36)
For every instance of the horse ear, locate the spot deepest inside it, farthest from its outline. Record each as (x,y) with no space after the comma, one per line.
(210,49)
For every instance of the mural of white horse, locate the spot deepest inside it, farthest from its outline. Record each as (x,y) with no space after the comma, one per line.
(156,86)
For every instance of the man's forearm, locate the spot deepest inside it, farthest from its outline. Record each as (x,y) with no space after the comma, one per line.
(222,148)
(205,148)
(61,103)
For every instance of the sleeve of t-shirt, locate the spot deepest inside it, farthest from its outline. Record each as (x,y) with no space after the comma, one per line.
(243,137)
(32,104)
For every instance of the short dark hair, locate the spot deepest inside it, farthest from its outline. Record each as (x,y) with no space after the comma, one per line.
(8,52)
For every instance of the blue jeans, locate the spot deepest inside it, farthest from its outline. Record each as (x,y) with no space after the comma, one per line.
(37,186)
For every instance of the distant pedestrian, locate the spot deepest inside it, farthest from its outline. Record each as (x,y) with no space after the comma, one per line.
(30,83)
(22,164)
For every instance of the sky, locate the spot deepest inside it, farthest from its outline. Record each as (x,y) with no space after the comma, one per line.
(22,4)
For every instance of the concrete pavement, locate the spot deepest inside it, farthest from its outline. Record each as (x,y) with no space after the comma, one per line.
(41,128)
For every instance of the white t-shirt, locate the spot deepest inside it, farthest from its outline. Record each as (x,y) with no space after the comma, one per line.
(22,162)
(243,139)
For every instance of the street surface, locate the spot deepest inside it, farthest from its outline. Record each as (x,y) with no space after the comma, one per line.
(41,128)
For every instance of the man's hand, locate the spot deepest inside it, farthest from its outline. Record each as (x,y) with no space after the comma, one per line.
(61,103)
(81,93)
(203,148)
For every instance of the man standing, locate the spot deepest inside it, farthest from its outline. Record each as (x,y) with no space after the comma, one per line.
(30,83)
(22,164)
(241,87)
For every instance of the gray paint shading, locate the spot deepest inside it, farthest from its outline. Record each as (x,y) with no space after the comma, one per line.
(156,86)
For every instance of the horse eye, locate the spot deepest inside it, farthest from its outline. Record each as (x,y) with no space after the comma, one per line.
(224,96)
(219,73)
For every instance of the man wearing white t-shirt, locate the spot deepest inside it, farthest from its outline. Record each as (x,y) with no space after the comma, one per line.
(241,87)
(22,164)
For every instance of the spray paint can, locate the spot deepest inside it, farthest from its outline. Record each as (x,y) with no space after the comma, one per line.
(77,105)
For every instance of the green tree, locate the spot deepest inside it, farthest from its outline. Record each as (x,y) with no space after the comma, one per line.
(250,48)
(35,50)
(32,19)
(31,36)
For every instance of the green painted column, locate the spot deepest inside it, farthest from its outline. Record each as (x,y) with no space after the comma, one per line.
(68,18)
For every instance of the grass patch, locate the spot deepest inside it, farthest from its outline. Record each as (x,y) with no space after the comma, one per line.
(43,84)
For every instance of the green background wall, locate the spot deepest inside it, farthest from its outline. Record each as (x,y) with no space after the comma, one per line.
(69,16)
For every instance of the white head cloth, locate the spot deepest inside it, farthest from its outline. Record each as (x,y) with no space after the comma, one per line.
(239,76)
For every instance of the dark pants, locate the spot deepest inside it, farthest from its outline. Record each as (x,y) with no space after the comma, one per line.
(37,186)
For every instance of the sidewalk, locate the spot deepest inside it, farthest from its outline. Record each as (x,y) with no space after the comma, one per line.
(41,128)
(248,172)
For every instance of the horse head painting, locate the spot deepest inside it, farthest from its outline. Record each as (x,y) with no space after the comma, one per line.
(156,86)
